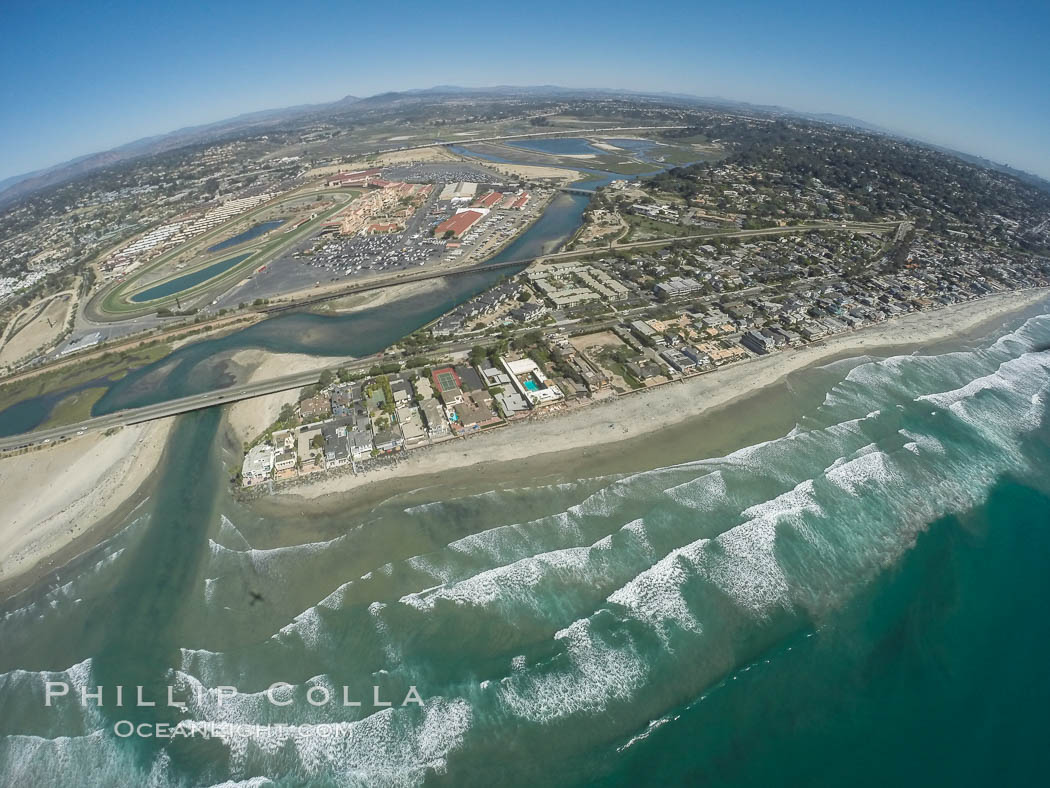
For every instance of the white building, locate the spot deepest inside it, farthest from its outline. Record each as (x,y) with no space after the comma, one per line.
(258,465)
(531,383)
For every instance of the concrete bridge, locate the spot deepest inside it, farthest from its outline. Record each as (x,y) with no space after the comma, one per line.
(247,391)
(576,190)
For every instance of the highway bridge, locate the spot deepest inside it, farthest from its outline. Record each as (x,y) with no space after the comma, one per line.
(249,390)
(209,399)
(161,410)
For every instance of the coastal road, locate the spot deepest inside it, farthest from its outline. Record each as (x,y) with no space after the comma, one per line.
(209,399)
(404,278)
(164,409)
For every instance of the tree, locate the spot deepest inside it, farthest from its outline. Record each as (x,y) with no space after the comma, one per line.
(477,355)
(326,379)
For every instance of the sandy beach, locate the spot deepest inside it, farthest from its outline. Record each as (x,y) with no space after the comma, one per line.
(54,496)
(249,417)
(376,298)
(631,416)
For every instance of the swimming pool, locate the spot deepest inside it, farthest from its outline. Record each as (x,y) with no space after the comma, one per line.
(531,385)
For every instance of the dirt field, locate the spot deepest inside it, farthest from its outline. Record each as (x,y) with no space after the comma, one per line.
(592,345)
(534,172)
(603,338)
(437,154)
(27,338)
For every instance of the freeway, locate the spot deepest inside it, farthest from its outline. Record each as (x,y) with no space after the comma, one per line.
(406,278)
(554,132)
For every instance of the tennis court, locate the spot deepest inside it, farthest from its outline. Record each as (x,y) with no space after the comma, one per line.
(446,379)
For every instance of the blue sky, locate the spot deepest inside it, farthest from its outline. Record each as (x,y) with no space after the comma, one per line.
(82,77)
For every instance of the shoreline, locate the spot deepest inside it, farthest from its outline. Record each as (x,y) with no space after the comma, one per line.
(641,415)
(105,477)
(58,500)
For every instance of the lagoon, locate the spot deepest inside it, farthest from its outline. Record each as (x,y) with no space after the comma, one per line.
(186,281)
(252,232)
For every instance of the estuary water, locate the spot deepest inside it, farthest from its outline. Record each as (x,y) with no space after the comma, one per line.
(857,599)
(201,366)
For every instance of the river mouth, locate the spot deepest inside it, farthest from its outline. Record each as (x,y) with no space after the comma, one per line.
(613,616)
(359,334)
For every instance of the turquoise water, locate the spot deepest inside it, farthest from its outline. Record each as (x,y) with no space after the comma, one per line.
(252,232)
(531,385)
(557,145)
(203,365)
(186,281)
(859,600)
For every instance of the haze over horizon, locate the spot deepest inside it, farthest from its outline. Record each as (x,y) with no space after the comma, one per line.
(90,78)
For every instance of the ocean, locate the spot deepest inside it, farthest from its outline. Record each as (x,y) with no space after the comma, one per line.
(851,590)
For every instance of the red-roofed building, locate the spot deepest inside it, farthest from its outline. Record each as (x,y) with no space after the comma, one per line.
(457,224)
(358,178)
(521,201)
(488,200)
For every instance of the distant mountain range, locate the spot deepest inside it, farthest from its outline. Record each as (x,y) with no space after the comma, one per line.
(21,185)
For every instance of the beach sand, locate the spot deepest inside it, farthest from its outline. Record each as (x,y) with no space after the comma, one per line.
(54,496)
(544,438)
(376,298)
(248,418)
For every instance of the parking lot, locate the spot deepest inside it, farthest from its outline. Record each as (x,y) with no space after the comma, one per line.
(329,256)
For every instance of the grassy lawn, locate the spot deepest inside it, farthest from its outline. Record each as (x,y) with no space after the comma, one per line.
(611,361)
(643,228)
(75,407)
